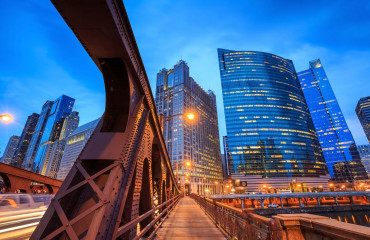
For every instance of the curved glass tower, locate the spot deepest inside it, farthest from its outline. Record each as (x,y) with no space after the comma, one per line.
(269,128)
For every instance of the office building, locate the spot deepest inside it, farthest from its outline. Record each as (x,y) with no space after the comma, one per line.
(270,135)
(24,140)
(338,146)
(55,114)
(193,145)
(37,134)
(55,150)
(225,158)
(364,151)
(10,149)
(74,145)
(363,114)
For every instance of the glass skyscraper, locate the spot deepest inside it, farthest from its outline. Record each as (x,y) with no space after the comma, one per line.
(363,114)
(10,149)
(340,152)
(48,130)
(270,133)
(25,139)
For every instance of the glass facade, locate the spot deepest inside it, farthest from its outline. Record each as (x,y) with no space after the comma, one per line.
(363,114)
(339,149)
(10,149)
(59,110)
(36,137)
(269,129)
(25,139)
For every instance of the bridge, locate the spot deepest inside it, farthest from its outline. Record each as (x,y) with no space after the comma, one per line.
(20,180)
(122,185)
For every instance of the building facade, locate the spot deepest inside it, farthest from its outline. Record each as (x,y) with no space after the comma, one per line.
(10,149)
(56,149)
(24,140)
(52,122)
(193,145)
(338,146)
(364,151)
(226,157)
(363,114)
(73,147)
(270,134)
(36,137)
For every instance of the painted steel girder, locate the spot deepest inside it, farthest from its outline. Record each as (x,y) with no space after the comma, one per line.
(112,181)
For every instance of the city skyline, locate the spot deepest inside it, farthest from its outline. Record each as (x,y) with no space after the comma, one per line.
(47,41)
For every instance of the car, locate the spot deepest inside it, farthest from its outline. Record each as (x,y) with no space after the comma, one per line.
(272,205)
(19,201)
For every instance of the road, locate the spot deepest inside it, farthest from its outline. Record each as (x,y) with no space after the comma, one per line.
(19,224)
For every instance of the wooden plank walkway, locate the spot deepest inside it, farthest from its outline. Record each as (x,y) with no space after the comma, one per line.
(188,221)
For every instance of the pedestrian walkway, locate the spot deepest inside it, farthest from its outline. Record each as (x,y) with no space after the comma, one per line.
(188,221)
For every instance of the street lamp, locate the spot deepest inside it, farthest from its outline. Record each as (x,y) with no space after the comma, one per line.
(190,116)
(6,117)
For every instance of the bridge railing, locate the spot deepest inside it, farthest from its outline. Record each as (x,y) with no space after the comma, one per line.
(236,223)
(160,213)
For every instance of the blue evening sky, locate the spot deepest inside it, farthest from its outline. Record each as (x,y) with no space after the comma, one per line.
(42,59)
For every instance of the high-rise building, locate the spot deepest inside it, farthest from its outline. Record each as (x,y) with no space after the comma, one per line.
(53,123)
(225,159)
(37,134)
(25,139)
(70,125)
(363,114)
(55,150)
(364,151)
(74,145)
(10,149)
(339,148)
(270,135)
(193,145)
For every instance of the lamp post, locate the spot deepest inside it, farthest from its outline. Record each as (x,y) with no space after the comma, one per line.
(5,117)
(163,119)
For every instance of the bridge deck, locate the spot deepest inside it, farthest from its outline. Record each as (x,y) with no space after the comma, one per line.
(188,221)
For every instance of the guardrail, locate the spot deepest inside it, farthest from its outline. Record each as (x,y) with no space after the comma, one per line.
(244,224)
(238,224)
(158,214)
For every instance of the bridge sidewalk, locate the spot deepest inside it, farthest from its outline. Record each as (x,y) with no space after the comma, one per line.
(188,221)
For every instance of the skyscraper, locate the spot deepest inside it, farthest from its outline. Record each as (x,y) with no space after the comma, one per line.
(56,148)
(25,139)
(193,146)
(37,134)
(53,119)
(364,151)
(270,134)
(74,145)
(10,149)
(340,152)
(226,157)
(363,114)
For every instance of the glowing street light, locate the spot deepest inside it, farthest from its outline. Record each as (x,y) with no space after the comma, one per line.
(190,116)
(331,185)
(188,163)
(6,117)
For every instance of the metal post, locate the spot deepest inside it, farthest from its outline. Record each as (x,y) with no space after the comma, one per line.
(242,203)
(281,202)
(336,201)
(352,200)
(300,202)
(318,201)
(261,201)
